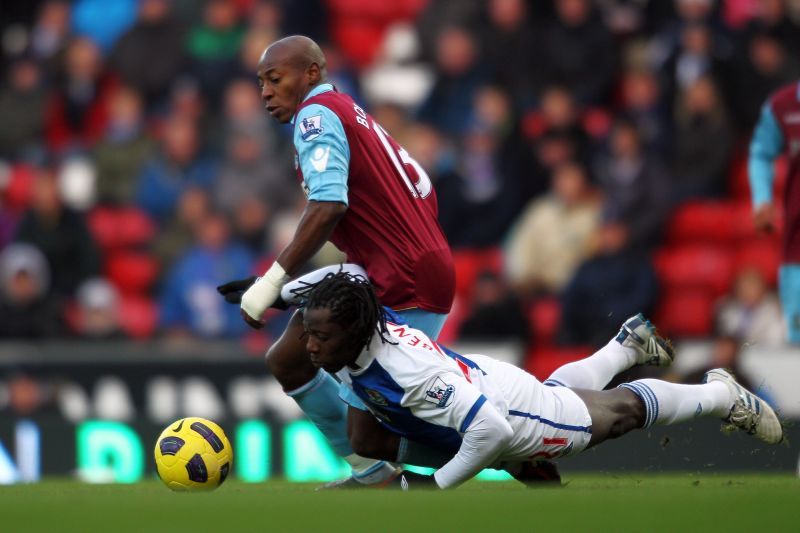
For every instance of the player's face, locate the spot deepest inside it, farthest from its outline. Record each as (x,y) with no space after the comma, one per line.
(283,87)
(327,343)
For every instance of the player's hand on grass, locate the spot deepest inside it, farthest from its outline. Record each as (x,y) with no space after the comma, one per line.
(538,474)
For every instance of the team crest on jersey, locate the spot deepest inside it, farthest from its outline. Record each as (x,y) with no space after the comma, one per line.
(440,393)
(376,397)
(311,127)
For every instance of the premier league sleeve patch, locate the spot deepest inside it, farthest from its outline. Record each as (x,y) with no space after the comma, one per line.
(311,127)
(440,393)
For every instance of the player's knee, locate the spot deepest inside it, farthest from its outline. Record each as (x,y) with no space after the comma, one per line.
(368,445)
(291,367)
(630,415)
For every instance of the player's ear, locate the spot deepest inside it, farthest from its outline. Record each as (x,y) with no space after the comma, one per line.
(314,74)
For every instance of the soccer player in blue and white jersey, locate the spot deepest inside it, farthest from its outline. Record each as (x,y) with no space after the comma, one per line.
(484,412)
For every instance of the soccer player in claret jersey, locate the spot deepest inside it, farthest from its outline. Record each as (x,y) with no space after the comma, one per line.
(777,132)
(373,201)
(490,413)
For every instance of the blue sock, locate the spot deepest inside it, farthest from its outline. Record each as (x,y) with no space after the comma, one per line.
(319,400)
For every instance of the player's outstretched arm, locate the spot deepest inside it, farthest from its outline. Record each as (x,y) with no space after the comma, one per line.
(318,221)
(485,438)
(765,146)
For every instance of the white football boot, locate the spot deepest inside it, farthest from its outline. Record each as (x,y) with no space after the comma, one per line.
(651,349)
(749,412)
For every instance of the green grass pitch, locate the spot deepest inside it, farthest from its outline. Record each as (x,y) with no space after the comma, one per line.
(611,502)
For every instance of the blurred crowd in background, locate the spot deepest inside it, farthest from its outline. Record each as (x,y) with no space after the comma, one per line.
(589,159)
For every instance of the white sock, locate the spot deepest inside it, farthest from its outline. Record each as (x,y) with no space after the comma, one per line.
(595,371)
(670,403)
(370,471)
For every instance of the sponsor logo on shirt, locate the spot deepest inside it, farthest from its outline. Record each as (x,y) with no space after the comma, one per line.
(311,127)
(440,393)
(319,158)
(376,397)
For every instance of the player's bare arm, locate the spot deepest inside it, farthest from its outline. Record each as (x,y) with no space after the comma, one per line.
(318,221)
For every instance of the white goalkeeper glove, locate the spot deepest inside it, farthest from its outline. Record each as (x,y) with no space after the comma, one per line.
(264,292)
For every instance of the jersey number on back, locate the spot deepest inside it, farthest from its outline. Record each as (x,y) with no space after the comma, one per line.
(422,187)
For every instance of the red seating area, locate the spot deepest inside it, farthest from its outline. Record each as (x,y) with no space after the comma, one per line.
(123,234)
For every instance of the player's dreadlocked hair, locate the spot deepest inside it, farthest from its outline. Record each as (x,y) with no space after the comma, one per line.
(353,305)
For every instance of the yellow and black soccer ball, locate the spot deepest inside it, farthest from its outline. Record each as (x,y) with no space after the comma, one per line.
(193,454)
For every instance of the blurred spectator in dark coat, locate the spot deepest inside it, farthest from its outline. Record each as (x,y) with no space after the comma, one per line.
(643,104)
(579,52)
(484,191)
(702,143)
(22,101)
(459,75)
(509,28)
(26,310)
(696,55)
(616,283)
(772,17)
(635,186)
(123,150)
(496,313)
(179,165)
(189,300)
(761,69)
(213,47)
(77,113)
(61,234)
(151,53)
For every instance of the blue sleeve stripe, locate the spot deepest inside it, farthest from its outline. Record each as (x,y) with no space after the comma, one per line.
(765,147)
(472,412)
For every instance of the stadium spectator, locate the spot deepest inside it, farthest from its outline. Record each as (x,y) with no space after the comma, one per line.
(726,350)
(509,28)
(77,112)
(495,313)
(27,310)
(102,21)
(213,47)
(179,165)
(124,148)
(22,100)
(190,304)
(96,312)
(772,17)
(540,260)
(702,143)
(751,312)
(459,75)
(178,231)
(50,33)
(617,281)
(156,34)
(578,52)
(764,67)
(644,105)
(61,234)
(257,159)
(695,56)
(635,185)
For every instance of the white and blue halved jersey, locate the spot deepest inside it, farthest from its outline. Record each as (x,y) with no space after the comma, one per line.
(431,395)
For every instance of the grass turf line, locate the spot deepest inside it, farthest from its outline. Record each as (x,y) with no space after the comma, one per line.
(612,502)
